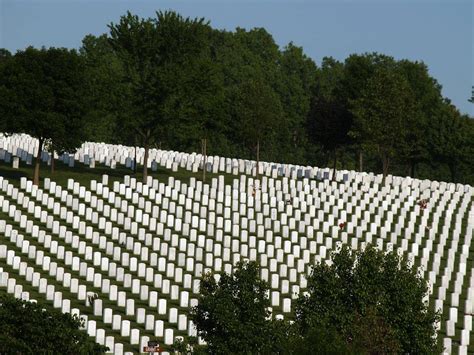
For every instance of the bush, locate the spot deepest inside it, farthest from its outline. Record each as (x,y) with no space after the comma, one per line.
(373,300)
(27,327)
(232,314)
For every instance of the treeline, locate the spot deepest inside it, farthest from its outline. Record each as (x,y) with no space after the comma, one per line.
(171,82)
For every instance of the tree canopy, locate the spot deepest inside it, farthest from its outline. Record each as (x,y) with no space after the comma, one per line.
(27,327)
(359,302)
(383,115)
(232,314)
(375,301)
(172,81)
(42,94)
(157,54)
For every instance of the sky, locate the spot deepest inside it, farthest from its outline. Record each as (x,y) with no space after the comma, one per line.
(438,32)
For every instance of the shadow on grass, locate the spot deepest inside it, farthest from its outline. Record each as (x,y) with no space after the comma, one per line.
(84,174)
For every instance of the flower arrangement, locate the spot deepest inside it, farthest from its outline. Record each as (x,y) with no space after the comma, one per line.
(423,204)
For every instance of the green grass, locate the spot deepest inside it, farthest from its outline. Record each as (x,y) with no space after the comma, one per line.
(84,175)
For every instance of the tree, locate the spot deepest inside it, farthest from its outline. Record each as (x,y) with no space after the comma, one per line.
(154,52)
(329,120)
(107,119)
(232,315)
(451,138)
(252,55)
(427,96)
(295,81)
(27,327)
(373,299)
(41,95)
(5,57)
(259,109)
(382,114)
(4,54)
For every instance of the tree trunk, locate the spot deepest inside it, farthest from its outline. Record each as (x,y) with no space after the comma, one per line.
(452,170)
(145,158)
(334,165)
(258,159)
(204,153)
(52,161)
(135,160)
(385,165)
(38,163)
(361,161)
(412,169)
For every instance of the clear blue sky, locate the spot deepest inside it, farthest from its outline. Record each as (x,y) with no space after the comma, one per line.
(438,32)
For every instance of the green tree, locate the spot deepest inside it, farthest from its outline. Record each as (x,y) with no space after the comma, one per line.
(258,108)
(107,94)
(373,296)
(451,139)
(41,94)
(243,57)
(232,315)
(329,120)
(358,70)
(4,54)
(382,114)
(195,103)
(427,95)
(154,52)
(27,327)
(298,76)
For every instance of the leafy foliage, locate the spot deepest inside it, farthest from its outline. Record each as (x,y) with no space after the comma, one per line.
(375,301)
(45,89)
(329,120)
(155,53)
(107,117)
(451,138)
(170,81)
(382,114)
(26,327)
(232,314)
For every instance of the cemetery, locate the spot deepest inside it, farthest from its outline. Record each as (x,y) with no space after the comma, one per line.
(169,186)
(128,256)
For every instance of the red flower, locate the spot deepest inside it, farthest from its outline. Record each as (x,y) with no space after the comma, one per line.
(423,204)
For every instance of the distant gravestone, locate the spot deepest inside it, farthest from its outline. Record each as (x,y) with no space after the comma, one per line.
(44,156)
(71,161)
(16,162)
(8,157)
(92,164)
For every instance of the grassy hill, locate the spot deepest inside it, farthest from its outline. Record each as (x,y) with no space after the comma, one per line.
(217,223)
